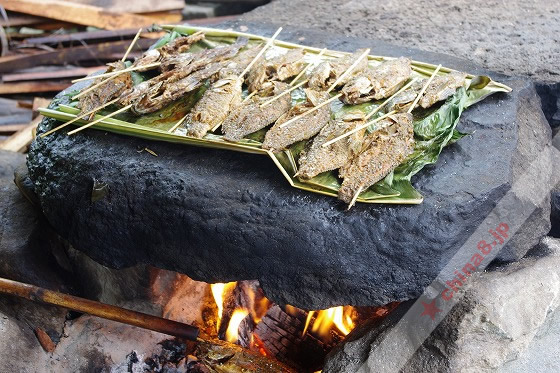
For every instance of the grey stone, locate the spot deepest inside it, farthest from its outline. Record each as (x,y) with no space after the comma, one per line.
(512,37)
(496,320)
(221,216)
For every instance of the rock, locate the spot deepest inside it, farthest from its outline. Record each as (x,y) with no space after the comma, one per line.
(550,96)
(219,216)
(511,38)
(493,323)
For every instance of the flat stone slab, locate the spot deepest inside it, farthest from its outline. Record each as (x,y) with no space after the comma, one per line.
(222,216)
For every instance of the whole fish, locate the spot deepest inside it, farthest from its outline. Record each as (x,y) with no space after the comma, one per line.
(403,100)
(214,106)
(327,72)
(278,68)
(382,152)
(442,87)
(250,117)
(376,83)
(279,138)
(318,158)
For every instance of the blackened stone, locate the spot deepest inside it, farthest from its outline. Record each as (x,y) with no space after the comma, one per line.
(221,216)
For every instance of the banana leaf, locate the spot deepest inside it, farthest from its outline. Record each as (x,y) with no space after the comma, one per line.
(433,128)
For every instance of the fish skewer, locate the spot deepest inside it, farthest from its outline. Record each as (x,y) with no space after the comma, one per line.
(110,74)
(278,68)
(99,120)
(383,151)
(388,100)
(329,71)
(307,67)
(359,128)
(349,70)
(266,46)
(284,93)
(129,49)
(419,96)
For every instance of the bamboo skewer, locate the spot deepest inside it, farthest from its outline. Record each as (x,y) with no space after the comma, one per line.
(390,98)
(79,117)
(311,110)
(365,125)
(349,70)
(176,125)
(91,88)
(99,309)
(131,45)
(99,120)
(421,93)
(353,202)
(284,93)
(128,69)
(249,96)
(266,46)
(307,67)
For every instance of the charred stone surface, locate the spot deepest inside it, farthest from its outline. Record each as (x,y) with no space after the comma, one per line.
(221,216)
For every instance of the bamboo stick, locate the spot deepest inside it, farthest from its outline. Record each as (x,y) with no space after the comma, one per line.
(421,93)
(284,93)
(249,96)
(99,309)
(131,45)
(307,67)
(266,46)
(181,121)
(365,125)
(99,120)
(390,98)
(128,69)
(311,110)
(349,70)
(79,117)
(355,198)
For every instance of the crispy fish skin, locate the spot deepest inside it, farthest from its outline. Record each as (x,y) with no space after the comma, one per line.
(250,117)
(277,138)
(441,87)
(403,100)
(214,106)
(317,159)
(383,151)
(327,72)
(378,82)
(108,91)
(238,63)
(278,68)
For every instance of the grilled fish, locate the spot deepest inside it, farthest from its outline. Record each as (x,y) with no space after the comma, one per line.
(250,117)
(383,151)
(317,158)
(441,87)
(237,64)
(278,68)
(403,100)
(214,106)
(327,72)
(108,91)
(378,82)
(279,138)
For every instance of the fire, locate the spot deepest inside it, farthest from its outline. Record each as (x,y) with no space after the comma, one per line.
(233,326)
(340,317)
(218,291)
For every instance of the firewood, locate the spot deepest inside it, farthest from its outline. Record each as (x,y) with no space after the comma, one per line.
(32,87)
(45,75)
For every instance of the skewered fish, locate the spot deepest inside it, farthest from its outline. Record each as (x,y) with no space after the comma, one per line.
(214,106)
(237,64)
(317,158)
(378,82)
(383,151)
(441,87)
(108,91)
(279,138)
(327,72)
(278,68)
(250,117)
(175,47)
(403,100)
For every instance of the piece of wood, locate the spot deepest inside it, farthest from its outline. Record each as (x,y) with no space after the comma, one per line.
(165,17)
(87,36)
(18,19)
(86,15)
(44,340)
(20,140)
(9,129)
(32,87)
(143,6)
(39,103)
(102,51)
(47,75)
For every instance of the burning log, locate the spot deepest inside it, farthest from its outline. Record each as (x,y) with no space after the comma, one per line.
(94,308)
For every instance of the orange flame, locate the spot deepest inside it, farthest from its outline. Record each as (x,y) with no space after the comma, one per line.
(340,317)
(218,291)
(233,327)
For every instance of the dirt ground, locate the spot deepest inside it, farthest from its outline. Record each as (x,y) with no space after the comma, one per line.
(515,37)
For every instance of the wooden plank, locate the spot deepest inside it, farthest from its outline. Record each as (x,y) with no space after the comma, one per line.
(90,36)
(20,140)
(60,74)
(39,103)
(143,6)
(102,51)
(86,15)
(33,87)
(9,129)
(165,17)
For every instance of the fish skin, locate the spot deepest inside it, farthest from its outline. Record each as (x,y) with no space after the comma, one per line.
(106,92)
(383,151)
(403,100)
(441,87)
(377,83)
(327,72)
(250,117)
(278,68)
(214,106)
(316,158)
(277,138)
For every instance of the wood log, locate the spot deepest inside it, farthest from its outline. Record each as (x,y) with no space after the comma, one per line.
(86,15)
(143,6)
(45,75)
(20,140)
(90,37)
(103,51)
(9,129)
(33,87)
